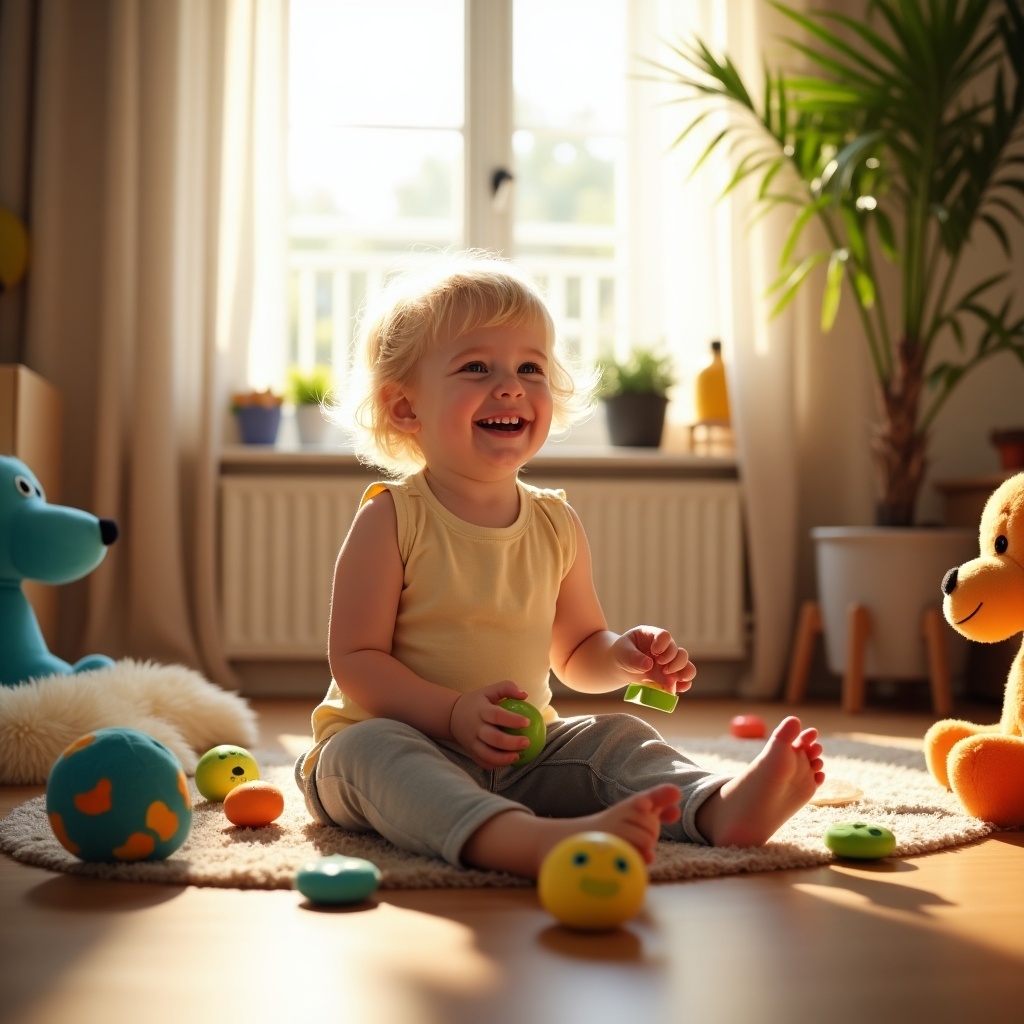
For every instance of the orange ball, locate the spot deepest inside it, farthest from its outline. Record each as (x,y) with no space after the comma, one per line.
(254,804)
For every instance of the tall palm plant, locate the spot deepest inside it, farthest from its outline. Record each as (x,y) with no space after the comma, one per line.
(902,139)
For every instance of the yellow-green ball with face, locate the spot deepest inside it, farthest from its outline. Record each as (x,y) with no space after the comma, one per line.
(223,768)
(592,881)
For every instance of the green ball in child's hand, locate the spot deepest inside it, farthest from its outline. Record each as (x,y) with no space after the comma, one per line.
(536,732)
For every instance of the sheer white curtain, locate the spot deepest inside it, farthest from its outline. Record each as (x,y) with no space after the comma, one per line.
(766,398)
(149,166)
(719,242)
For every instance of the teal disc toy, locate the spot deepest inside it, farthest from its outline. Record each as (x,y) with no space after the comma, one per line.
(860,840)
(118,795)
(337,879)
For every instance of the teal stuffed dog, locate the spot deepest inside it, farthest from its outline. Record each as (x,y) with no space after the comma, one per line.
(47,543)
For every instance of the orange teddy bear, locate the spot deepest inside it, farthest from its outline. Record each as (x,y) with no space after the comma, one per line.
(984,600)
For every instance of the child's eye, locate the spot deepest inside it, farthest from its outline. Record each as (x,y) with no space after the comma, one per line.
(475,367)
(531,368)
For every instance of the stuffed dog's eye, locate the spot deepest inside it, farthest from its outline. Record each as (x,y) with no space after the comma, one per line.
(1001,545)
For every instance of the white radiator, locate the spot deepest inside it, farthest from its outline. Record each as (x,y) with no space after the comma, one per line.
(280,537)
(665,552)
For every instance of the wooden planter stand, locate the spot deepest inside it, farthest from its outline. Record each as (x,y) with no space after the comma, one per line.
(809,626)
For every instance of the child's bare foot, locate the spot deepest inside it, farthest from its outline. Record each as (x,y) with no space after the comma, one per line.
(750,808)
(518,842)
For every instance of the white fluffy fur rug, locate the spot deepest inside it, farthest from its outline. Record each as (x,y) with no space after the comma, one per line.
(173,704)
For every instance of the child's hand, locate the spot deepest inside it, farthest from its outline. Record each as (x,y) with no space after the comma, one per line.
(476,725)
(647,652)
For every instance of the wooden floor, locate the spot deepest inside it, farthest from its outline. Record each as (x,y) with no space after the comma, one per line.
(933,938)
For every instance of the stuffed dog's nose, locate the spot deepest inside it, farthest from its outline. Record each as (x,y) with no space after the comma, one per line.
(949,581)
(108,531)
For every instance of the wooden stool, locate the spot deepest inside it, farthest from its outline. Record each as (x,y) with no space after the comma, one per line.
(809,625)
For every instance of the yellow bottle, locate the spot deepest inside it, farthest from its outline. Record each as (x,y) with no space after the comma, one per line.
(711,395)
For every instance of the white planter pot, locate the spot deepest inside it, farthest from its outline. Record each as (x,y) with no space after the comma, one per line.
(896,574)
(311,425)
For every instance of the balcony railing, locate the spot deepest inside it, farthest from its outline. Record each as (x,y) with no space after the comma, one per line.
(329,284)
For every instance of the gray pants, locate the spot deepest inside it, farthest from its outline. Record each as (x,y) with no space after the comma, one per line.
(428,797)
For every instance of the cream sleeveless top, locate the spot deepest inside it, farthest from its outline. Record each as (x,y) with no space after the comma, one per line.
(477,603)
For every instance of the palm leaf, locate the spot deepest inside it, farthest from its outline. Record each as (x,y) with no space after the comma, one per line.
(898,133)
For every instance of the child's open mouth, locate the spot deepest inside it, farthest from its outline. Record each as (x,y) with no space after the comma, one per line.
(506,424)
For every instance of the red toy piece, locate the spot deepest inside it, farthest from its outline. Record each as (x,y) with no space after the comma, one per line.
(748,727)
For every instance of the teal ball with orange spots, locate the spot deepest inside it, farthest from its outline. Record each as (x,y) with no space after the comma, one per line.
(118,795)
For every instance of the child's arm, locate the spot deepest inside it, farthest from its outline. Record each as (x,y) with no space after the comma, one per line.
(587,656)
(364,604)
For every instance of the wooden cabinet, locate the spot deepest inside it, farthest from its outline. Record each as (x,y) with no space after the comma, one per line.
(963,498)
(31,419)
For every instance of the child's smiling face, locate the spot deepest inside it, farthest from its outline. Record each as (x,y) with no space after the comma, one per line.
(482,402)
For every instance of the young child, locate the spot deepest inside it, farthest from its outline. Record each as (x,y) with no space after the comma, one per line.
(459,585)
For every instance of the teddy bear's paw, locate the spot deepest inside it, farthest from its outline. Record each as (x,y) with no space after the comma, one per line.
(985,772)
(940,739)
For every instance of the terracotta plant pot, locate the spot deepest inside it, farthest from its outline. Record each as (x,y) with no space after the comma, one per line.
(1010,445)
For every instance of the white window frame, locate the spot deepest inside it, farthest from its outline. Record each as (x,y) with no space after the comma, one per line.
(660,271)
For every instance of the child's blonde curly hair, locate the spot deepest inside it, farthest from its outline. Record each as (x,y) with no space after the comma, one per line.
(421,310)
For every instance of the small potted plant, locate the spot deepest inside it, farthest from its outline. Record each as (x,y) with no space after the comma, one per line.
(1009,443)
(258,414)
(635,396)
(307,391)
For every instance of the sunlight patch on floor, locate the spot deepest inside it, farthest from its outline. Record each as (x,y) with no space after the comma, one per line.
(899,742)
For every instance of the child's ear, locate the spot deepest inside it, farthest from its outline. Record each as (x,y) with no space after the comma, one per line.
(400,411)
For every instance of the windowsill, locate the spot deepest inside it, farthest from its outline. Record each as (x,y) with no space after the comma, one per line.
(586,452)
(591,460)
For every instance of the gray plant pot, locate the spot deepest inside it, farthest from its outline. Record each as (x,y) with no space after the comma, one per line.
(636,420)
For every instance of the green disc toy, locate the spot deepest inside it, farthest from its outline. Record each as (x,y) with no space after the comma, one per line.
(859,840)
(650,695)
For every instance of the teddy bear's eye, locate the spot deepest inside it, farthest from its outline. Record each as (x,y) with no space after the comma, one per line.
(1001,545)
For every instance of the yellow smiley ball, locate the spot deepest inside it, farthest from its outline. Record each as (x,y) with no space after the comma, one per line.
(592,881)
(223,768)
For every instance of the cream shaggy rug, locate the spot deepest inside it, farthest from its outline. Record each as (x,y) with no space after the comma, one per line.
(187,713)
(897,793)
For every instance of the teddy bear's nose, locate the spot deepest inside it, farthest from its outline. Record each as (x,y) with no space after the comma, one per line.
(949,582)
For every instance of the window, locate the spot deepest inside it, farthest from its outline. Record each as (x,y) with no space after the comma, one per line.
(569,143)
(406,118)
(375,155)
